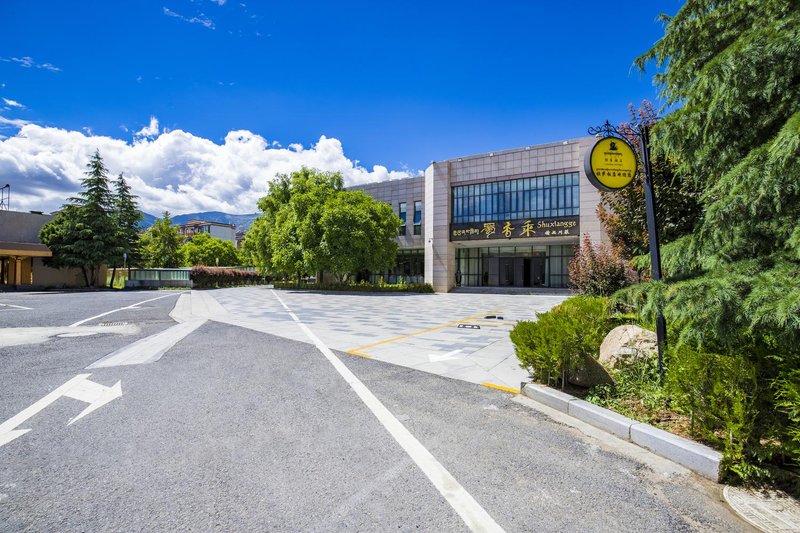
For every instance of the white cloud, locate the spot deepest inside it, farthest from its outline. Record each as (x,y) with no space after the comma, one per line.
(219,2)
(201,19)
(150,130)
(28,62)
(12,122)
(13,103)
(175,171)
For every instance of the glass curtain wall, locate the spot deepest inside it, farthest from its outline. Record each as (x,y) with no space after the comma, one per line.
(520,266)
(540,197)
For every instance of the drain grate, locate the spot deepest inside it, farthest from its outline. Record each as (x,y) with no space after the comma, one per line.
(468,326)
(104,324)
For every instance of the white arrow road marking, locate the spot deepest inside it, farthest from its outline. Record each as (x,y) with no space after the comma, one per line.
(78,388)
(446,357)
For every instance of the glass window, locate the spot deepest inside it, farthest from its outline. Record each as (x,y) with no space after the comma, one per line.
(418,216)
(539,197)
(401,212)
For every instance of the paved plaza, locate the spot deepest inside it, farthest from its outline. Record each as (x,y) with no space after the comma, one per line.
(249,409)
(461,336)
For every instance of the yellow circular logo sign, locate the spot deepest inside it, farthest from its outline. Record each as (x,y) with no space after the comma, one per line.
(611,164)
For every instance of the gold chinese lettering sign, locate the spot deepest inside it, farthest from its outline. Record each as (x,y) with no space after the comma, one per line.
(611,164)
(516,229)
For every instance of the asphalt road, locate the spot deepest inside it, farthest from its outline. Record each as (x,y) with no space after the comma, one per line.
(240,430)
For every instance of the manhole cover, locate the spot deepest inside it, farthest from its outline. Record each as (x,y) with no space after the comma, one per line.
(104,324)
(768,510)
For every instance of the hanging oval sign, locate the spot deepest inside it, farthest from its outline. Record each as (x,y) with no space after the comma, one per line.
(611,164)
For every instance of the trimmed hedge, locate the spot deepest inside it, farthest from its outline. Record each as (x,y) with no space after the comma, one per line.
(211,278)
(356,287)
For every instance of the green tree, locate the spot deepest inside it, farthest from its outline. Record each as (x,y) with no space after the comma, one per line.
(731,70)
(310,224)
(623,212)
(161,244)
(357,234)
(83,234)
(126,217)
(203,249)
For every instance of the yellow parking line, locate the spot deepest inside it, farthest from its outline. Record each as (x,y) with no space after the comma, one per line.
(354,351)
(500,387)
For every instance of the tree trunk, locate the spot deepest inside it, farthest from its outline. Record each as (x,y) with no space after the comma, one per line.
(85,275)
(113,274)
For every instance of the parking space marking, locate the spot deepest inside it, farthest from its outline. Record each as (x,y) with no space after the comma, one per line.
(357,351)
(470,511)
(132,306)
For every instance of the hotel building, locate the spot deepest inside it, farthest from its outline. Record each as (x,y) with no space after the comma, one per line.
(509,218)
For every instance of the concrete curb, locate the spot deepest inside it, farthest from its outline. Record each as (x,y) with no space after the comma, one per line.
(696,457)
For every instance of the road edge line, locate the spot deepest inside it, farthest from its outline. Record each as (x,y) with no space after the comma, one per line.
(470,511)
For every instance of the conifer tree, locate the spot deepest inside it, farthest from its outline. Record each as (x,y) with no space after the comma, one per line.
(83,234)
(126,218)
(731,70)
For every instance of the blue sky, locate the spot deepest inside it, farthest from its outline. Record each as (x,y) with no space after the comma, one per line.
(389,84)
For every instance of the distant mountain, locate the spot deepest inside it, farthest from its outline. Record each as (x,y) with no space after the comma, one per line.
(242,222)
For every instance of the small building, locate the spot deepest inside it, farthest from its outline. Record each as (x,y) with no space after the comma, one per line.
(239,238)
(509,218)
(220,230)
(22,254)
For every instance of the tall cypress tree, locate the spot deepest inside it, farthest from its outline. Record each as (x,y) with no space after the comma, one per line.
(126,217)
(83,234)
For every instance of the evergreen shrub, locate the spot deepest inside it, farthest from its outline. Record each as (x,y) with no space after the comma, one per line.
(557,343)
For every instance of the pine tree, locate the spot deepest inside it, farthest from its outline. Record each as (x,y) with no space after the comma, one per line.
(126,220)
(731,70)
(83,234)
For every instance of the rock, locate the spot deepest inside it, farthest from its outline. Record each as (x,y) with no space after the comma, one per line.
(624,343)
(592,373)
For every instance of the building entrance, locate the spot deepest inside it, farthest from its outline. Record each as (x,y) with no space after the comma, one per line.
(520,266)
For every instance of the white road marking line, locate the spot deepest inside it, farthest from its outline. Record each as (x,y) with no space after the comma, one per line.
(78,388)
(470,511)
(79,322)
(150,349)
(17,307)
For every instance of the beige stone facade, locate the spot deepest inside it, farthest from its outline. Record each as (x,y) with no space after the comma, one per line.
(533,259)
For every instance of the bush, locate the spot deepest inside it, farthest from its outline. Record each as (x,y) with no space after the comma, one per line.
(598,270)
(357,287)
(556,344)
(212,278)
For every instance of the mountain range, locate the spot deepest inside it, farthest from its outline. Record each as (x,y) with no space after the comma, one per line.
(242,222)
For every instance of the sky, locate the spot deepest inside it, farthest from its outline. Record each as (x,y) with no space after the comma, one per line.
(200,103)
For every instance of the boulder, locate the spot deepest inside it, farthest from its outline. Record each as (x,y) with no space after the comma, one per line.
(590,374)
(626,342)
